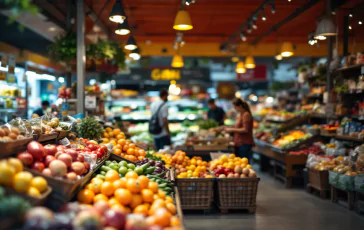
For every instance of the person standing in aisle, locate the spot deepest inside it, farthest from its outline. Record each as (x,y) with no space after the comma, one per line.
(215,113)
(41,111)
(243,129)
(158,124)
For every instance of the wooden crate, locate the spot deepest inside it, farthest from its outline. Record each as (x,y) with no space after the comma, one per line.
(318,180)
(35,201)
(195,193)
(46,137)
(13,147)
(349,198)
(237,193)
(62,134)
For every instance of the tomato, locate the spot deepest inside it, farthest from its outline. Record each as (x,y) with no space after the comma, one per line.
(99,155)
(92,147)
(104,148)
(101,150)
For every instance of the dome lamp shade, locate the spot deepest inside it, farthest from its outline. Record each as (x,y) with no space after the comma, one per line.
(117,13)
(123,28)
(287,49)
(240,68)
(131,44)
(249,62)
(325,28)
(177,61)
(182,21)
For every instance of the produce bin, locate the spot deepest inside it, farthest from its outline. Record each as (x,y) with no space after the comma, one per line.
(45,137)
(318,179)
(195,193)
(11,147)
(341,181)
(34,201)
(237,193)
(62,134)
(217,155)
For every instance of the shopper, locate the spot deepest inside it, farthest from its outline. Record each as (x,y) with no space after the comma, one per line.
(158,125)
(41,111)
(215,113)
(243,129)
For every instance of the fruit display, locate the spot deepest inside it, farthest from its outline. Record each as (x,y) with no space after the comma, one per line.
(91,148)
(121,146)
(313,149)
(13,176)
(321,163)
(232,167)
(10,134)
(90,128)
(207,124)
(360,159)
(64,92)
(279,115)
(158,166)
(291,139)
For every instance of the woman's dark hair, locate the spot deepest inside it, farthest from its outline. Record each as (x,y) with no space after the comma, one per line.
(243,104)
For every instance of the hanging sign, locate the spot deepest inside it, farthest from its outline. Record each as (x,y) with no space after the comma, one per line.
(259,73)
(165,74)
(90,102)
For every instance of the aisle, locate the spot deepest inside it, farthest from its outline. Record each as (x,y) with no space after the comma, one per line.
(281,209)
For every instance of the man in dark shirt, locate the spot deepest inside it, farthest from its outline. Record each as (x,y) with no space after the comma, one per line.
(40,111)
(215,113)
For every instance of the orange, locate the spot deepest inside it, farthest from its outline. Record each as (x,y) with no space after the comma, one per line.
(162,217)
(161,194)
(133,185)
(105,140)
(96,179)
(159,203)
(39,183)
(140,158)
(118,184)
(117,151)
(130,151)
(121,142)
(118,137)
(118,146)
(147,195)
(116,132)
(113,201)
(85,196)
(244,160)
(96,187)
(125,148)
(175,221)
(106,135)
(169,199)
(89,186)
(111,176)
(111,134)
(150,220)
(171,208)
(131,175)
(99,197)
(141,209)
(142,153)
(132,146)
(133,158)
(127,142)
(16,164)
(113,142)
(136,200)
(143,181)
(156,197)
(107,188)
(22,181)
(120,208)
(123,196)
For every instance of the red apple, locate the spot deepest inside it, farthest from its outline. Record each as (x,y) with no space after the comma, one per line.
(58,153)
(87,165)
(72,176)
(25,158)
(80,157)
(47,172)
(38,166)
(73,153)
(51,149)
(78,168)
(67,159)
(48,159)
(60,148)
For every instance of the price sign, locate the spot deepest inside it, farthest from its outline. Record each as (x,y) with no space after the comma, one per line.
(65,141)
(90,102)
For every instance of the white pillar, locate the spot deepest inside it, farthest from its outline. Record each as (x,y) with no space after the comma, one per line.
(81,57)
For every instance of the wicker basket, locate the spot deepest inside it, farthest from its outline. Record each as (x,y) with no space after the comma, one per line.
(11,147)
(318,179)
(195,193)
(237,193)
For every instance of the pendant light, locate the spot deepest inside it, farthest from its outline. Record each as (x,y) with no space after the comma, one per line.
(131,44)
(287,49)
(177,61)
(325,28)
(135,54)
(117,13)
(123,28)
(249,62)
(240,68)
(182,21)
(278,57)
(235,58)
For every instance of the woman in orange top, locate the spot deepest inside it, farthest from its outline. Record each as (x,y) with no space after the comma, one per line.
(243,129)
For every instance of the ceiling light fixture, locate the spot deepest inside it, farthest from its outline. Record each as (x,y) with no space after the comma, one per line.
(278,57)
(240,68)
(351,14)
(254,26)
(131,44)
(325,27)
(249,62)
(123,28)
(249,29)
(350,27)
(235,59)
(177,61)
(182,21)
(360,22)
(273,10)
(242,36)
(117,13)
(287,49)
(135,54)
(263,16)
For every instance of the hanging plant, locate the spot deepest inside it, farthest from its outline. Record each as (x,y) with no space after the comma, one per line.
(64,48)
(20,7)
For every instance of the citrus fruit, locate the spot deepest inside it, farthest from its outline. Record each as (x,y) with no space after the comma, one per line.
(85,196)
(131,175)
(171,208)
(161,194)
(107,188)
(112,175)
(22,181)
(33,192)
(123,196)
(175,221)
(153,186)
(113,201)
(136,200)
(133,185)
(16,164)
(143,181)
(141,209)
(99,197)
(39,183)
(162,217)
(147,195)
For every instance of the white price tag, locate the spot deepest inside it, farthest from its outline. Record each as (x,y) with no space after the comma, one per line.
(90,102)
(65,141)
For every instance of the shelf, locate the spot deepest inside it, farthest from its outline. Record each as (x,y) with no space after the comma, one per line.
(8,110)
(352,67)
(347,138)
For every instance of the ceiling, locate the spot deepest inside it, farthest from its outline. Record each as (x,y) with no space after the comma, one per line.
(214,22)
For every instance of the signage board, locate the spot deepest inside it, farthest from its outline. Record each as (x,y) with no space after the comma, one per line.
(259,73)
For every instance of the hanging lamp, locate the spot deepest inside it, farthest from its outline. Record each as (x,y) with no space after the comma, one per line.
(135,54)
(325,28)
(131,44)
(235,58)
(287,49)
(278,57)
(249,62)
(240,68)
(117,13)
(123,28)
(177,61)
(182,21)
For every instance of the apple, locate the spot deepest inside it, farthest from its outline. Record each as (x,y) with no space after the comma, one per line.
(78,168)
(25,158)
(80,157)
(48,159)
(72,176)
(58,153)
(38,166)
(87,165)
(67,159)
(47,172)
(60,148)
(73,153)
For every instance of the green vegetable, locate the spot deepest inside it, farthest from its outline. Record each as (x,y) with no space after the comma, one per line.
(105,168)
(149,170)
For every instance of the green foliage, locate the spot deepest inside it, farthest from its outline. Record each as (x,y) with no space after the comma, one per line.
(19,7)
(207,124)
(64,48)
(303,69)
(90,128)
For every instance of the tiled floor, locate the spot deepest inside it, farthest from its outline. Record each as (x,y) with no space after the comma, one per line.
(280,209)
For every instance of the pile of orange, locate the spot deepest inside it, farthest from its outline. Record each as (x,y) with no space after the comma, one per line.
(123,147)
(189,168)
(230,162)
(132,194)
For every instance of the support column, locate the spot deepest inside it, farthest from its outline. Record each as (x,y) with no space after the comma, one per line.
(69,28)
(346,36)
(81,57)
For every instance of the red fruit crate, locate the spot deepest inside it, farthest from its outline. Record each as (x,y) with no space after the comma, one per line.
(237,193)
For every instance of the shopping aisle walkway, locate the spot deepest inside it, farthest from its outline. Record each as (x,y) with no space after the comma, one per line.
(281,209)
